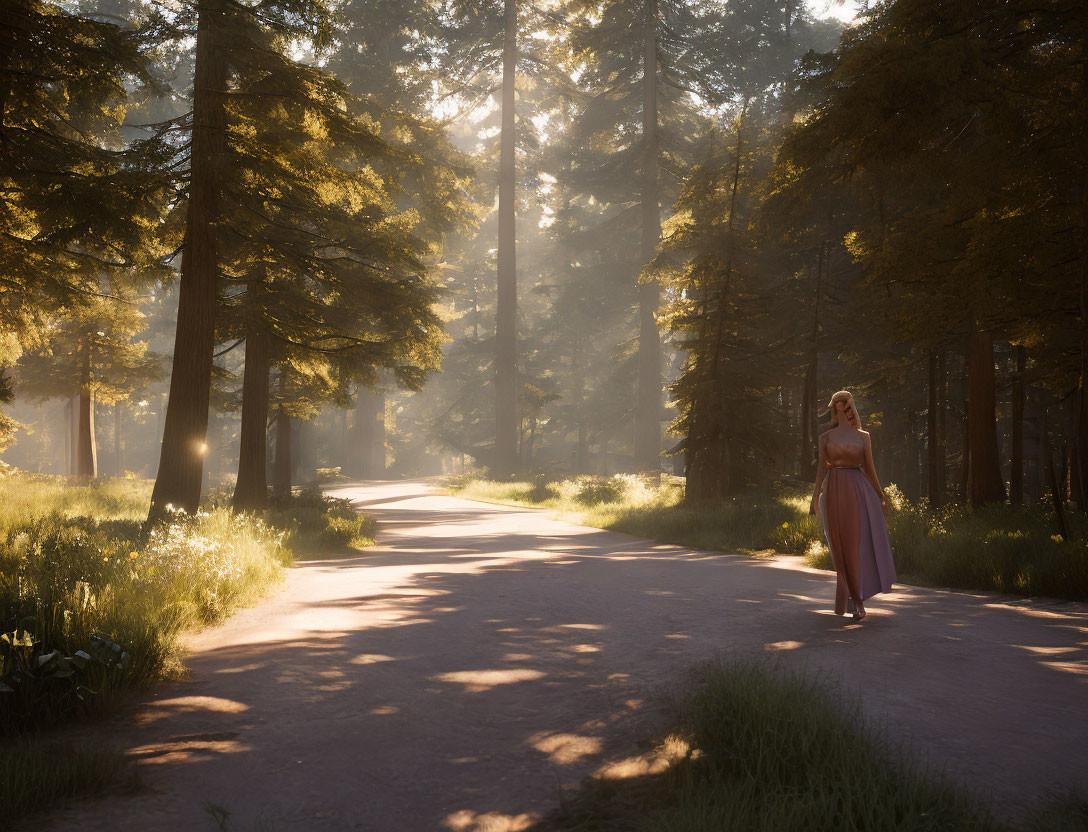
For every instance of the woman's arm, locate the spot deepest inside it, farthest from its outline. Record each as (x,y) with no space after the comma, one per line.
(870,470)
(821,472)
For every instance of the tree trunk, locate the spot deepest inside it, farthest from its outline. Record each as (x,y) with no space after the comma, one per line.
(1055,492)
(181,458)
(942,427)
(936,469)
(1078,464)
(1016,473)
(1042,447)
(809,422)
(984,479)
(647,450)
(706,468)
(370,432)
(281,468)
(86,450)
(965,440)
(581,453)
(506,366)
(71,445)
(87,455)
(118,447)
(251,489)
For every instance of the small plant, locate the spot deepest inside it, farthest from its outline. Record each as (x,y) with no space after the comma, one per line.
(91,606)
(324,475)
(591,491)
(543,489)
(315,521)
(35,681)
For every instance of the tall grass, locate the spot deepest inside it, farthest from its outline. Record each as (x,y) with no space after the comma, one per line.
(78,575)
(34,777)
(634,505)
(771,749)
(91,606)
(1004,548)
(66,581)
(25,497)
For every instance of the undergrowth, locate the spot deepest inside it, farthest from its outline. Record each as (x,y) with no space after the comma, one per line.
(34,777)
(1003,548)
(92,604)
(757,747)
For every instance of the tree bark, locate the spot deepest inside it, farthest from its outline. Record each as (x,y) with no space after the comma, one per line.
(936,471)
(984,480)
(1078,464)
(942,427)
(86,449)
(581,454)
(251,489)
(1016,473)
(1055,492)
(809,422)
(965,434)
(370,432)
(118,447)
(647,450)
(711,456)
(281,467)
(506,366)
(181,458)
(72,444)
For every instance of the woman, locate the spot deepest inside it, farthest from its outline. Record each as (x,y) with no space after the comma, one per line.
(851,508)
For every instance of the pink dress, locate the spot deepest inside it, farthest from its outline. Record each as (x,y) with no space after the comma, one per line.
(854,525)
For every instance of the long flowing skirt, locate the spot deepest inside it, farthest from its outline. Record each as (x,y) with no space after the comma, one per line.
(856,533)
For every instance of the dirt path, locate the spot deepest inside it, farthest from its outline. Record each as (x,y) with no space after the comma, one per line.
(453,676)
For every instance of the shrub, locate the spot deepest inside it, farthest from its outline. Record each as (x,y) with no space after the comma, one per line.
(79,592)
(315,521)
(1005,548)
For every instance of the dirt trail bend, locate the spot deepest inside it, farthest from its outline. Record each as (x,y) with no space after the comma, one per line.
(453,676)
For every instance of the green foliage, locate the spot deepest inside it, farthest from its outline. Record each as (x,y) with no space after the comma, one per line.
(91,607)
(36,776)
(1013,550)
(315,522)
(333,204)
(82,202)
(996,548)
(91,347)
(768,748)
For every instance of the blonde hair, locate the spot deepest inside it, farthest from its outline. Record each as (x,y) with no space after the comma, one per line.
(843,395)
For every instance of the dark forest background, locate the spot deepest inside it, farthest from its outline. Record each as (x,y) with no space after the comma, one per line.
(545,238)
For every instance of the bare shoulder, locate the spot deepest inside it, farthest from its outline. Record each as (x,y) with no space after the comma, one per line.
(824,435)
(865,433)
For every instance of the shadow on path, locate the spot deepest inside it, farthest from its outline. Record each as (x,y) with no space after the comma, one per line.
(479,657)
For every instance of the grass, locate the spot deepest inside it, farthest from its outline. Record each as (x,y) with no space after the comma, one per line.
(1002,548)
(76,566)
(317,523)
(92,607)
(34,777)
(632,505)
(757,747)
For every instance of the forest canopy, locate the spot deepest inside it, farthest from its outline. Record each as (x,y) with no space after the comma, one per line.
(245,242)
